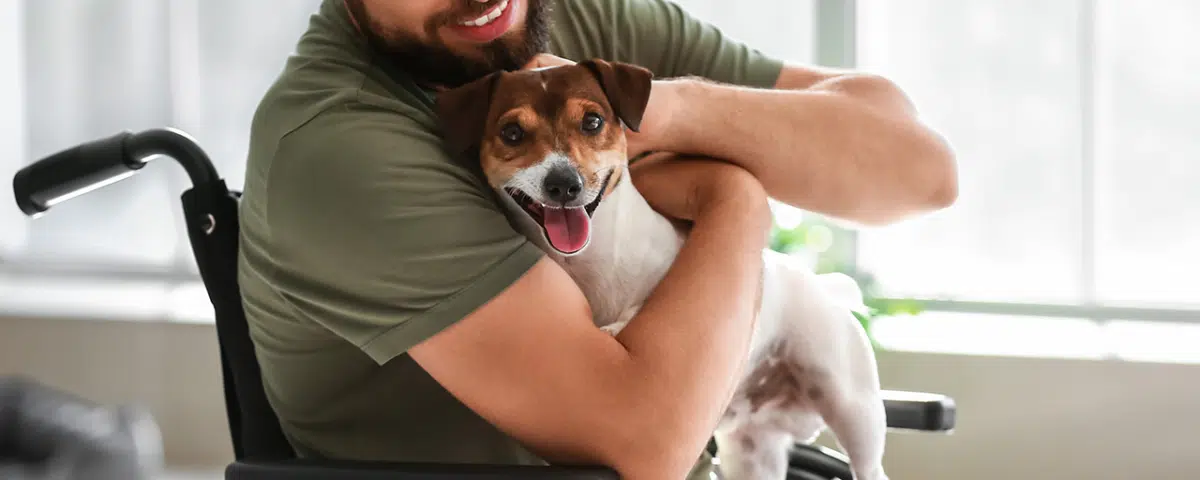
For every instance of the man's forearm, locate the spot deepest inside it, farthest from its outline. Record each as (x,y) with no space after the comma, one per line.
(690,340)
(849,147)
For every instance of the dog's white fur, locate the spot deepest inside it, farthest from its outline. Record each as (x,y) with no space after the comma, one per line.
(805,326)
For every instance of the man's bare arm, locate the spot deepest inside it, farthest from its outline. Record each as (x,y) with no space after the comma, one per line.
(532,363)
(845,144)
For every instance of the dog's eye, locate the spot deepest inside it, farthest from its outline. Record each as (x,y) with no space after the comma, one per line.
(592,123)
(512,134)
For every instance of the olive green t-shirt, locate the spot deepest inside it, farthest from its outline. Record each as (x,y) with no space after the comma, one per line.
(361,237)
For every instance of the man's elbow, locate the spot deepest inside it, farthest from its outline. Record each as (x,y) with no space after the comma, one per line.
(941,166)
(651,452)
(657,460)
(931,184)
(930,154)
(944,195)
(642,436)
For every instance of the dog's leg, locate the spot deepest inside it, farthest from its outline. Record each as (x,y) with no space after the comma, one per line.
(858,422)
(845,383)
(753,452)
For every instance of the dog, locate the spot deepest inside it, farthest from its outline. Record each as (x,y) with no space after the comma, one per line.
(551,142)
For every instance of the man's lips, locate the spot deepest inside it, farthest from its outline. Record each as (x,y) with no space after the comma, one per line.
(487,16)
(489,25)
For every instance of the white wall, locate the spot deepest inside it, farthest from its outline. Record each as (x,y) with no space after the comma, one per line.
(1020,418)
(1038,418)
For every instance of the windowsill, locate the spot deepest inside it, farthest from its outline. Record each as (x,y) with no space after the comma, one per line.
(115,300)
(931,332)
(1040,337)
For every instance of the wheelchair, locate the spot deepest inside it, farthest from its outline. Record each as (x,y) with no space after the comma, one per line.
(261,452)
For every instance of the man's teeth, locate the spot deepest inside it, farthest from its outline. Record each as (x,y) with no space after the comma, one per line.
(487,18)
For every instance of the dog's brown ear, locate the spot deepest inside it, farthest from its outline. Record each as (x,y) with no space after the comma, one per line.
(627,87)
(462,113)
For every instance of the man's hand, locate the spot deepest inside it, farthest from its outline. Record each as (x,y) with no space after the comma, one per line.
(848,145)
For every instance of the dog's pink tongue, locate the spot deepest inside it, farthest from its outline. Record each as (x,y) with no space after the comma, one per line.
(567,228)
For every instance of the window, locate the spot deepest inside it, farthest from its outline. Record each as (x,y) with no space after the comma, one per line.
(1076,129)
(86,70)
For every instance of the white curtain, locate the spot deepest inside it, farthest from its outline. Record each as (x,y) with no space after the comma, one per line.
(84,69)
(12,125)
(77,70)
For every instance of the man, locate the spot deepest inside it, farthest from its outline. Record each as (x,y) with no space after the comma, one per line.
(398,315)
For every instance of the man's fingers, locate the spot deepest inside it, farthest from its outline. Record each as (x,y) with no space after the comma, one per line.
(543,60)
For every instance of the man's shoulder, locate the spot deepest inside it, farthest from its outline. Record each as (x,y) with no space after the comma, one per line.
(340,137)
(581,29)
(661,35)
(329,70)
(322,112)
(601,9)
(311,91)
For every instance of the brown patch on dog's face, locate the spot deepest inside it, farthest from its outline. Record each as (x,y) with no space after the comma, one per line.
(561,111)
(551,139)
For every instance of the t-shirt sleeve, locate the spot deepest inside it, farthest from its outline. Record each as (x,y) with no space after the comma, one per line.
(382,238)
(663,37)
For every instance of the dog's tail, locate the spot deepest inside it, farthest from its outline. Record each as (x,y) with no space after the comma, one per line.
(843,290)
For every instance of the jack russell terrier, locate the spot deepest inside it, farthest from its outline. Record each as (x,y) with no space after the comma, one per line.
(551,144)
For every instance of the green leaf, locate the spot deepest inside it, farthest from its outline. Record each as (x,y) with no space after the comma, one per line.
(863,319)
(787,240)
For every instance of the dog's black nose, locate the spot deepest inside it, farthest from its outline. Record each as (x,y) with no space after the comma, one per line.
(563,184)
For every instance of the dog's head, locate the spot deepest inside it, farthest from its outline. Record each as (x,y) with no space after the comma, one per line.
(550,140)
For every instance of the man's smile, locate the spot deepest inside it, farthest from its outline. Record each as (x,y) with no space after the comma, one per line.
(489,26)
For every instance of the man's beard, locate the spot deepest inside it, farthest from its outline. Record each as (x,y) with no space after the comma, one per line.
(433,64)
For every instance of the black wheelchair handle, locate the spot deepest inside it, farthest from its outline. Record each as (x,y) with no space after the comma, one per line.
(101,162)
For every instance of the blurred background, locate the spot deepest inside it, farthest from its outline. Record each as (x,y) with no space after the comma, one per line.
(1057,301)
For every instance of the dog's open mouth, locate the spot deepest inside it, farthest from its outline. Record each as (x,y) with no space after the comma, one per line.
(567,229)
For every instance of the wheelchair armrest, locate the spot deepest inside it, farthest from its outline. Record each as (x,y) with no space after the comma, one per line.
(929,412)
(305,469)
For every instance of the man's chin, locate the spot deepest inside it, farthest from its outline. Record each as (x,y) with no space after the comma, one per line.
(454,62)
(460,66)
